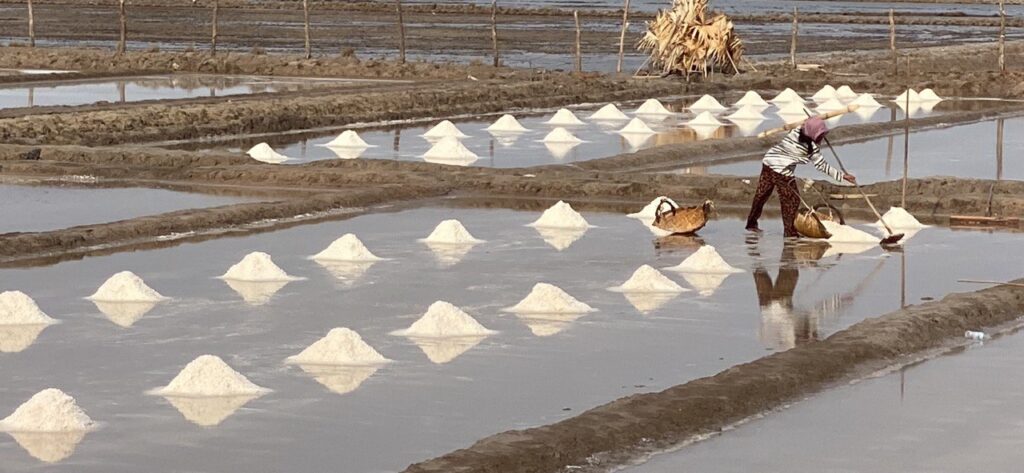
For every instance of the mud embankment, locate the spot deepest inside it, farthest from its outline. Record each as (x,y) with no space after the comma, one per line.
(613,433)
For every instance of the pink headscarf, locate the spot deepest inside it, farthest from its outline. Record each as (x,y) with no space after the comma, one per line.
(815,129)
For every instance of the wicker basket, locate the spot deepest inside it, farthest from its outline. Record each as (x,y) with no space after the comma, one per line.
(808,223)
(682,220)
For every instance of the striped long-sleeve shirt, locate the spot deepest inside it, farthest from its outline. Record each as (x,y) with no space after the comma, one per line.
(783,157)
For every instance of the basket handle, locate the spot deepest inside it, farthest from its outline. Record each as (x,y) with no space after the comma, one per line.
(671,208)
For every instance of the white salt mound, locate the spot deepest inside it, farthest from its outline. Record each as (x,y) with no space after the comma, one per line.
(347,248)
(549,299)
(348,139)
(846,93)
(705,260)
(866,101)
(126,287)
(648,280)
(792,108)
(746,112)
(563,117)
(263,152)
(445,320)
(929,95)
(609,113)
(636,126)
(17,308)
(257,267)
(705,119)
(561,135)
(208,375)
(902,98)
(445,129)
(898,217)
(707,103)
(831,105)
(561,216)
(847,234)
(449,148)
(342,347)
(451,232)
(507,124)
(751,99)
(787,96)
(825,93)
(49,410)
(649,210)
(652,107)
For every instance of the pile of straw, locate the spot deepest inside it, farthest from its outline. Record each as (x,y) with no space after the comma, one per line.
(687,39)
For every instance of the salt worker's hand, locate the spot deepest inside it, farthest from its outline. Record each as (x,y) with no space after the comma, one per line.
(850,178)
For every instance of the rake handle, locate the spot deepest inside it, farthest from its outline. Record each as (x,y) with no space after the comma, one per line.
(856,185)
(798,124)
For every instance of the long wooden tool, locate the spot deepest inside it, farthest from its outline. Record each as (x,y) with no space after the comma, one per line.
(798,124)
(893,238)
(997,283)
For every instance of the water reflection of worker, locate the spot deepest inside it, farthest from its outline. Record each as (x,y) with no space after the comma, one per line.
(778,171)
(782,327)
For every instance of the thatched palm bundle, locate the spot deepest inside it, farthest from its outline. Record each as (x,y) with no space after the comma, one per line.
(688,39)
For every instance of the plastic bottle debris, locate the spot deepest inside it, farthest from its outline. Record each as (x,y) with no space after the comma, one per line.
(973,335)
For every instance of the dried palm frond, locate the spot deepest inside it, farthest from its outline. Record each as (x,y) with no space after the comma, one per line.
(688,39)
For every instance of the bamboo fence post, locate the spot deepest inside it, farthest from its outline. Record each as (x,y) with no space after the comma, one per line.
(1002,36)
(305,19)
(213,28)
(31,25)
(892,42)
(792,44)
(579,48)
(122,44)
(622,36)
(401,32)
(494,32)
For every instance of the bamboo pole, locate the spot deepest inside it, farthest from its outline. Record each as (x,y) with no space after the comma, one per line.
(792,44)
(401,32)
(906,150)
(1002,36)
(579,47)
(622,36)
(494,32)
(888,158)
(122,44)
(31,25)
(213,28)
(892,42)
(305,19)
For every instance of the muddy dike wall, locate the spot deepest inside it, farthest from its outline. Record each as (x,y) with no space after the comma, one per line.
(613,433)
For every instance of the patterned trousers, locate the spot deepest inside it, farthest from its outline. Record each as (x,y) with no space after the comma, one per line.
(789,199)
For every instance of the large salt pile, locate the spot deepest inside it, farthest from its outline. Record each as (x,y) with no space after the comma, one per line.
(792,109)
(549,299)
(847,234)
(609,113)
(347,153)
(636,126)
(929,95)
(17,308)
(561,135)
(636,141)
(787,96)
(560,151)
(831,105)
(348,248)
(649,210)
(898,217)
(449,149)
(845,93)
(507,124)
(49,410)
(451,232)
(902,98)
(745,113)
(751,99)
(263,152)
(348,139)
(866,101)
(648,280)
(126,287)
(652,107)
(704,119)
(341,346)
(208,375)
(561,216)
(824,94)
(706,103)
(445,129)
(443,320)
(705,260)
(563,117)
(257,267)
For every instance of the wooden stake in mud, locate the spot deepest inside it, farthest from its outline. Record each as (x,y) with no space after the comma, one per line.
(622,36)
(213,29)
(401,32)
(892,42)
(1002,36)
(31,26)
(305,19)
(494,32)
(122,44)
(579,48)
(792,44)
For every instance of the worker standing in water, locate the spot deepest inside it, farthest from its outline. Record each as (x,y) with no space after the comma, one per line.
(778,171)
